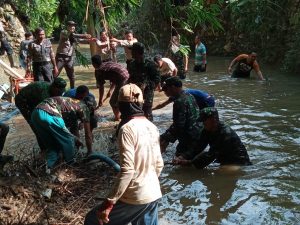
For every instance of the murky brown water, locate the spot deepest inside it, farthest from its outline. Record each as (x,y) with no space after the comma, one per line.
(266,115)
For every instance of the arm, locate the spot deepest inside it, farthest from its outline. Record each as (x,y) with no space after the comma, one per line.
(88,137)
(111,89)
(204,59)
(161,105)
(186,62)
(102,45)
(233,62)
(257,70)
(82,36)
(174,72)
(52,56)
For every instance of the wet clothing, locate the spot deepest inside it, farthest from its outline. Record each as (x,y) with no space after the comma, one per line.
(199,68)
(167,67)
(243,68)
(123,213)
(200,51)
(24,52)
(48,120)
(203,99)
(186,127)
(147,77)
(178,58)
(116,74)
(225,147)
(40,54)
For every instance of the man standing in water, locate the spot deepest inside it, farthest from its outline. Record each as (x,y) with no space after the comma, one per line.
(65,50)
(200,55)
(144,73)
(225,145)
(245,63)
(134,198)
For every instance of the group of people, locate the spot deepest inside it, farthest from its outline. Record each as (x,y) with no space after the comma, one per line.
(54,116)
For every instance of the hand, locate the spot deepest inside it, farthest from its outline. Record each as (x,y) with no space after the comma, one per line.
(93,39)
(180,160)
(229,70)
(88,36)
(78,143)
(108,95)
(185,69)
(104,211)
(55,71)
(99,105)
(163,145)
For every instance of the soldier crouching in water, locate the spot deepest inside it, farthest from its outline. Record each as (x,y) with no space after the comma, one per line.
(225,145)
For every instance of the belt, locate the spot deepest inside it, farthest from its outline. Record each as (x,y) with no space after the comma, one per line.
(41,63)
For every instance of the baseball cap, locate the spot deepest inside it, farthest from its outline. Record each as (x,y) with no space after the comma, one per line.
(70,22)
(208,112)
(130,93)
(171,81)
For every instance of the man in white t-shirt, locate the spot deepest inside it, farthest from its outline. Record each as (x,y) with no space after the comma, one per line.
(135,195)
(166,68)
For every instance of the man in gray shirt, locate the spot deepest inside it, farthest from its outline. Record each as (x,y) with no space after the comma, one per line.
(65,50)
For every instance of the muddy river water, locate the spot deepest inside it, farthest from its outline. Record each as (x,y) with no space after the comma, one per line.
(266,115)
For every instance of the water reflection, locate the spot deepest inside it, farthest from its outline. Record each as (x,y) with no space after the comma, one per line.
(266,116)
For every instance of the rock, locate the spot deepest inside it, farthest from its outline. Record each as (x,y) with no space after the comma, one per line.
(228,47)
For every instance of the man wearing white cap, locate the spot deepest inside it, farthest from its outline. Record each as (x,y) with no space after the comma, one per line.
(134,198)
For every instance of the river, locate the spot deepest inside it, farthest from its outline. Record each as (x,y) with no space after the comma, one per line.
(266,115)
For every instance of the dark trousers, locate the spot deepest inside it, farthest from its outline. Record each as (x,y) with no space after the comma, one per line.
(199,68)
(42,71)
(4,129)
(5,47)
(66,62)
(123,214)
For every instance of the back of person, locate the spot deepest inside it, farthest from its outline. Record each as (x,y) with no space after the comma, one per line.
(203,99)
(144,186)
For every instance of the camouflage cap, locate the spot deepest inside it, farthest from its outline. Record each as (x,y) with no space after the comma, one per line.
(208,112)
(59,83)
(130,93)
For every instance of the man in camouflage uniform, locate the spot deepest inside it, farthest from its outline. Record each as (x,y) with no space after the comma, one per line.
(225,145)
(143,72)
(186,127)
(65,50)
(33,94)
(47,119)
(41,54)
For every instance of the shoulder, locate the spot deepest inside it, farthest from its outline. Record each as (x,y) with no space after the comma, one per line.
(241,56)
(139,125)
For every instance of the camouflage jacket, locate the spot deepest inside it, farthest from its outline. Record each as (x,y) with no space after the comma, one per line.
(186,124)
(65,107)
(225,146)
(143,74)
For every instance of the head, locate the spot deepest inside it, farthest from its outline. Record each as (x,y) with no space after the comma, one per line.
(103,36)
(210,118)
(158,60)
(130,100)
(28,36)
(81,92)
(197,39)
(128,35)
(71,26)
(57,88)
(172,86)
(137,50)
(252,57)
(176,40)
(39,34)
(96,61)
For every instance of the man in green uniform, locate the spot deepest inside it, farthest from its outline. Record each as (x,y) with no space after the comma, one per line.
(33,94)
(143,72)
(186,127)
(225,145)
